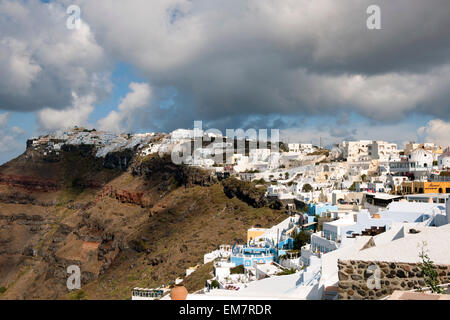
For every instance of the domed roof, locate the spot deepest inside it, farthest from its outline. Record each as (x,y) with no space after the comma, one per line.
(421,154)
(178,293)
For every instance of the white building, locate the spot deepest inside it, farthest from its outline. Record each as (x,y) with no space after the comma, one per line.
(306,148)
(383,151)
(355,151)
(224,251)
(301,148)
(345,230)
(444,160)
(259,155)
(419,162)
(330,238)
(294,147)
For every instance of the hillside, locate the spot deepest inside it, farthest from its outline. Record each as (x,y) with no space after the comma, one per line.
(126,220)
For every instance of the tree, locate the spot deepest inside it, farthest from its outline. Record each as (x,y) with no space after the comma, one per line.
(307,187)
(363,177)
(283,147)
(286,175)
(215,284)
(429,271)
(300,239)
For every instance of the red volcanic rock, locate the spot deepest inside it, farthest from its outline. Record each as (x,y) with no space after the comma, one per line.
(29,183)
(123,196)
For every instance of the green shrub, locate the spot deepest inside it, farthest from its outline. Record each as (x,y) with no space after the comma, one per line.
(215,284)
(430,271)
(286,272)
(78,295)
(301,238)
(307,187)
(237,270)
(260,181)
(2,290)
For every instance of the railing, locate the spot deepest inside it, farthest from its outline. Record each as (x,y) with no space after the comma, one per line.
(435,178)
(279,265)
(316,276)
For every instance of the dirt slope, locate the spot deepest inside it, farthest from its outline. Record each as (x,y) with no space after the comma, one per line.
(142,225)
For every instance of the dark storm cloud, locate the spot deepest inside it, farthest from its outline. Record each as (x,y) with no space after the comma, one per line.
(285,57)
(234,61)
(42,63)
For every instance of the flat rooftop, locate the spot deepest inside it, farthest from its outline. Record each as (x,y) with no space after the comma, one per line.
(407,249)
(342,222)
(383,196)
(428,195)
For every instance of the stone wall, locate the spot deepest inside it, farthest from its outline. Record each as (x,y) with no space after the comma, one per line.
(356,279)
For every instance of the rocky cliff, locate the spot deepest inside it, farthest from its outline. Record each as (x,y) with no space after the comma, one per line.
(125,220)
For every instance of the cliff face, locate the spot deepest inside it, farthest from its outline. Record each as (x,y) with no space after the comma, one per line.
(123,196)
(184,176)
(246,192)
(125,221)
(29,183)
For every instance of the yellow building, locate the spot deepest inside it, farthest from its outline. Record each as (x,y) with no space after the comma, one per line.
(412,187)
(253,233)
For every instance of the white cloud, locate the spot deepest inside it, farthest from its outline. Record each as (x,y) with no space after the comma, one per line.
(129,110)
(77,114)
(436,131)
(18,67)
(262,57)
(399,133)
(17,131)
(251,57)
(42,62)
(10,140)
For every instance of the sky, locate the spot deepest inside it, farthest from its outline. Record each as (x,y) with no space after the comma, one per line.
(310,68)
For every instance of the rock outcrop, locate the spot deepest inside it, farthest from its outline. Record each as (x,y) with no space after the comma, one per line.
(183,175)
(123,196)
(245,191)
(29,183)
(119,159)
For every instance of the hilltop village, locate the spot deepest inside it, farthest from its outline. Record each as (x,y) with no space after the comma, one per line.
(362,219)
